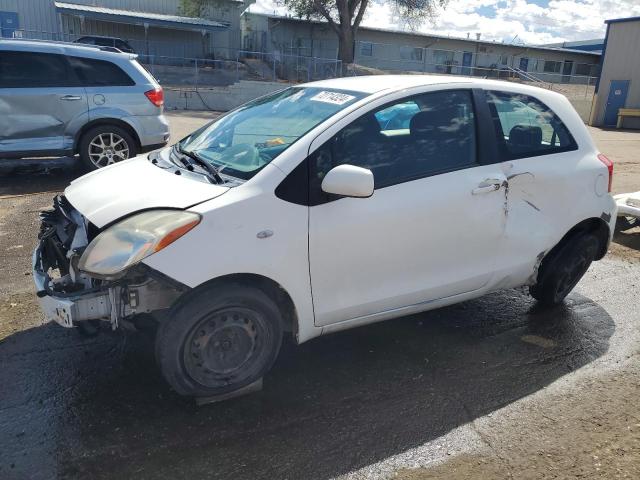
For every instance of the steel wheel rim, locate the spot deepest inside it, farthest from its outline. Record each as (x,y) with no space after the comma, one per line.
(225,347)
(107,149)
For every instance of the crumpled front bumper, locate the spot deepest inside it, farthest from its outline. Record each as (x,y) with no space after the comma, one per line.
(67,311)
(626,210)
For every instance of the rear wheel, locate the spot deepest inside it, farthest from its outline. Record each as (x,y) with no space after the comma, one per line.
(561,273)
(219,340)
(105,145)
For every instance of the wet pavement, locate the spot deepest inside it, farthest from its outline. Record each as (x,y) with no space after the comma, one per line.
(76,408)
(72,407)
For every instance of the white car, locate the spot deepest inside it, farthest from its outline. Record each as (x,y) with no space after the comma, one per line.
(628,210)
(318,208)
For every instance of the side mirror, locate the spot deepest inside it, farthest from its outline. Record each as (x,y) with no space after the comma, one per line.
(348,181)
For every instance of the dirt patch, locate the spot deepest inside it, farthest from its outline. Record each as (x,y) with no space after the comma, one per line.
(591,432)
(19,312)
(626,245)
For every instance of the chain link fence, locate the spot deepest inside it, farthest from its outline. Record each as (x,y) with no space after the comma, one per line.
(203,72)
(223,66)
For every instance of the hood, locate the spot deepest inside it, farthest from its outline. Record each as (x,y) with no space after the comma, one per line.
(126,187)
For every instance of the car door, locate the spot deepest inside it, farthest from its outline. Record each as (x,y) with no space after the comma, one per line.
(434,225)
(41,104)
(542,163)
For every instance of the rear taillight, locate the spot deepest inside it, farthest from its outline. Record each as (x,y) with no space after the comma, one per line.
(609,164)
(156,96)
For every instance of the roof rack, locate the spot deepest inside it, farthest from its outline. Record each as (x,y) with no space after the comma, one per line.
(63,43)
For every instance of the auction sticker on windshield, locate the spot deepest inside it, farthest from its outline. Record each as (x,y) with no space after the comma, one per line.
(335,98)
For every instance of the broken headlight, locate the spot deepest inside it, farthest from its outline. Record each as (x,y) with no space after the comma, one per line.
(130,241)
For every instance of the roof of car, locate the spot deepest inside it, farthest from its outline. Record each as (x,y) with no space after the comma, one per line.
(376,83)
(59,47)
(101,36)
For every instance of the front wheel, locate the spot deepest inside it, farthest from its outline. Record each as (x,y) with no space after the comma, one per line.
(219,340)
(561,273)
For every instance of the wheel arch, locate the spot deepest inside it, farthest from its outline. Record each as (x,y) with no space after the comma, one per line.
(267,285)
(105,121)
(593,225)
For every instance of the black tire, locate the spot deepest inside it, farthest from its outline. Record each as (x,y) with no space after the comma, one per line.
(626,223)
(219,340)
(125,146)
(560,273)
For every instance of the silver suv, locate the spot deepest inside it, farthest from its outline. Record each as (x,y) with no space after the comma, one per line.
(63,99)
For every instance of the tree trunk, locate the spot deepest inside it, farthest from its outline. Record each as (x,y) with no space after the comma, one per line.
(346,46)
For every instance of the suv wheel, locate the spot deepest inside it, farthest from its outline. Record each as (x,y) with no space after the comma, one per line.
(105,145)
(219,340)
(561,273)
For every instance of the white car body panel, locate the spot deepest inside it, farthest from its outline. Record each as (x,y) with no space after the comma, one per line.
(339,261)
(628,204)
(112,192)
(400,247)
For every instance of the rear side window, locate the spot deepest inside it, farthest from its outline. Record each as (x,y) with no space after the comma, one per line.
(100,73)
(31,69)
(526,127)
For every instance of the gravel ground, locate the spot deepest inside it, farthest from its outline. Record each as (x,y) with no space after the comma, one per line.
(490,388)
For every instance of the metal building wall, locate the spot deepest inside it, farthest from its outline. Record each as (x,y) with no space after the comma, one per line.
(33,15)
(621,62)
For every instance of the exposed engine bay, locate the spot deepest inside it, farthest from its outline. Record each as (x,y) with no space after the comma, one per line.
(71,296)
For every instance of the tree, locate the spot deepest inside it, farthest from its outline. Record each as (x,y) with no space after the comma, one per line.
(192,8)
(344,17)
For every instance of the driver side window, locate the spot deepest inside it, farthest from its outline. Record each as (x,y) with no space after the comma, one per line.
(413,138)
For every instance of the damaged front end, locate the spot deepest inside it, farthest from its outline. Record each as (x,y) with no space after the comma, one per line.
(69,296)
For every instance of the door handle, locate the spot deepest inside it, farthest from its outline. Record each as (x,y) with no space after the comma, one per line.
(71,98)
(487,186)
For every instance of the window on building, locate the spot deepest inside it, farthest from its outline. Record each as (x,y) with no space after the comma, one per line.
(366,49)
(303,47)
(28,69)
(99,73)
(552,67)
(584,69)
(413,138)
(525,127)
(443,60)
(411,53)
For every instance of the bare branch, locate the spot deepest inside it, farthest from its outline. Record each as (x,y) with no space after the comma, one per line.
(322,10)
(358,19)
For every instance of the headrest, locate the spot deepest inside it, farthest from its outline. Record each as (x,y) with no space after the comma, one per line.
(525,136)
(442,120)
(367,125)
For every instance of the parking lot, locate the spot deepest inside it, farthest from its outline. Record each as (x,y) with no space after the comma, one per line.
(490,388)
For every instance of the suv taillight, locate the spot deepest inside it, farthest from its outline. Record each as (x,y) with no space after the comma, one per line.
(609,164)
(156,96)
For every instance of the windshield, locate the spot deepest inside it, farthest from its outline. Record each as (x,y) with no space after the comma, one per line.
(244,141)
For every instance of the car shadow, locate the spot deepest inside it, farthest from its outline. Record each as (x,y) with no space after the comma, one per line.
(630,238)
(38,175)
(329,406)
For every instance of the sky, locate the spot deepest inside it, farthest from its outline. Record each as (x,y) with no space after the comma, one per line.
(532,22)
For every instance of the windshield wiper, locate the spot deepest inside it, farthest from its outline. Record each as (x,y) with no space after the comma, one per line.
(201,162)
